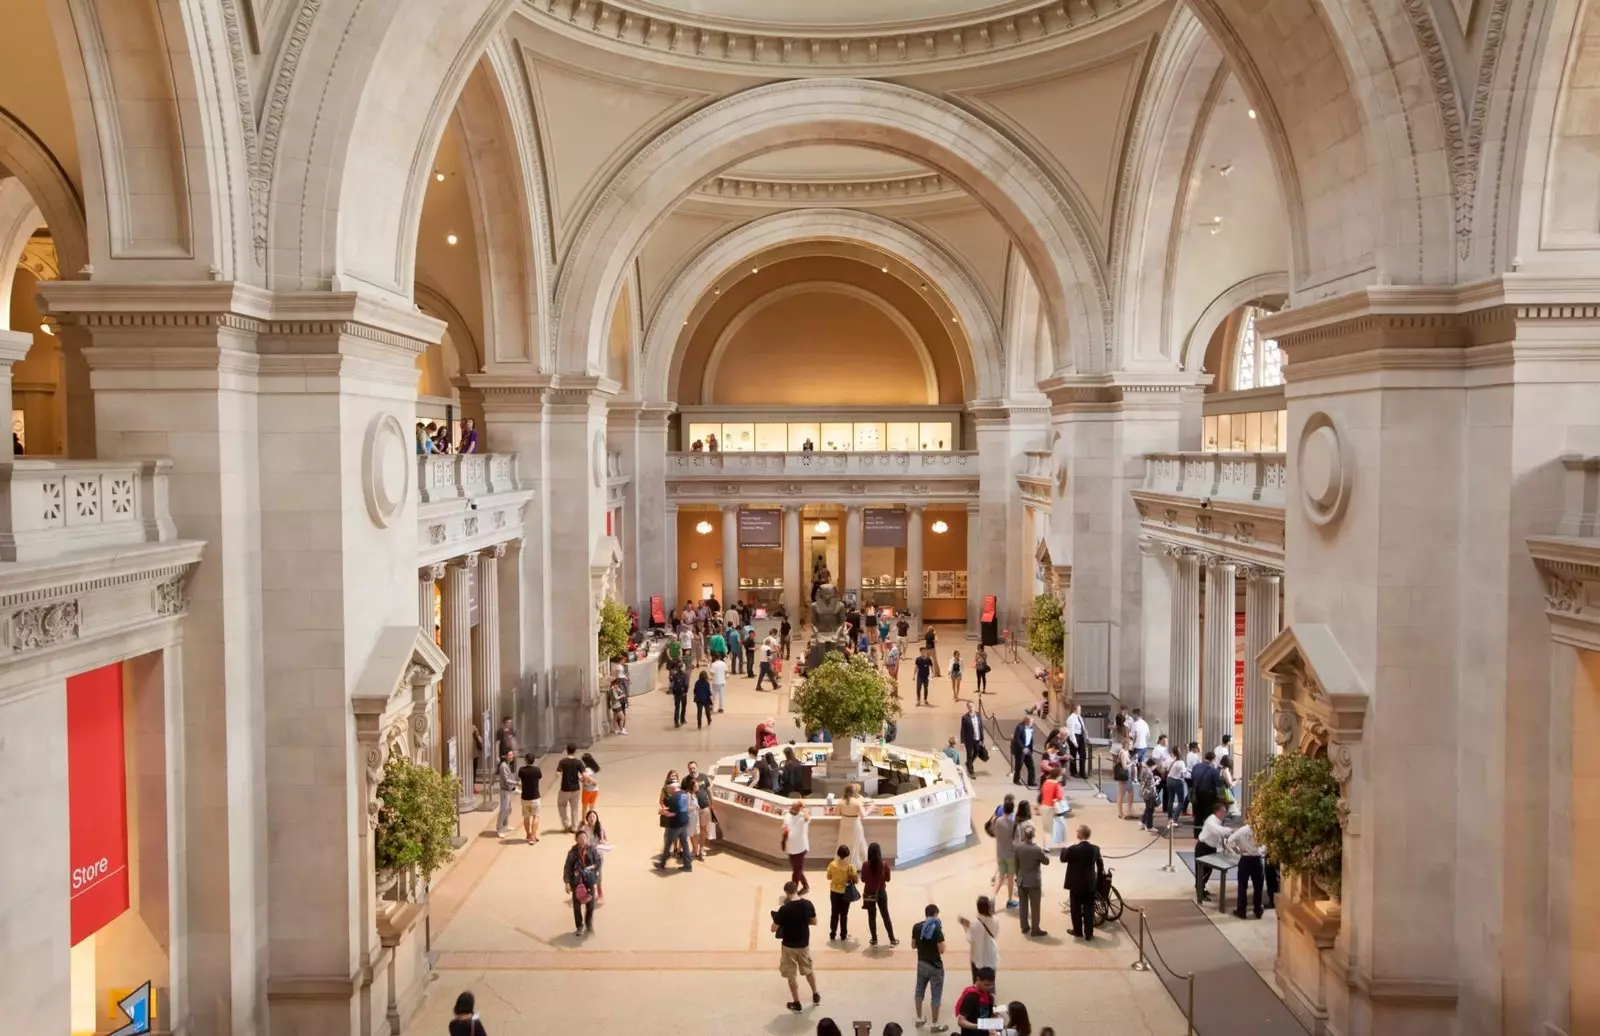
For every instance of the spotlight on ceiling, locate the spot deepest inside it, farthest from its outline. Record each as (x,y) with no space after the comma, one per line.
(450,239)
(703,528)
(438,176)
(1251,113)
(885,269)
(755,269)
(821,527)
(47,329)
(940,526)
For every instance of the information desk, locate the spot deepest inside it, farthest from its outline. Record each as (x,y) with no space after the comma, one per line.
(932,812)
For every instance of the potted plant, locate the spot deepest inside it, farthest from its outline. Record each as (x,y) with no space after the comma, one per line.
(416,822)
(1047,636)
(848,698)
(1294,813)
(613,630)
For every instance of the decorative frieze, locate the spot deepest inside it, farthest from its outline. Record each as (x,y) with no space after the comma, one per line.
(43,625)
(1569,567)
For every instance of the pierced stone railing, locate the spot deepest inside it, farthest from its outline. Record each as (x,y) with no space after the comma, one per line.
(1036,463)
(809,463)
(454,476)
(53,507)
(1255,477)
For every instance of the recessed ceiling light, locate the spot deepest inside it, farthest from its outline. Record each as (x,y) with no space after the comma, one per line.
(885,269)
(822,527)
(1252,113)
(438,176)
(46,329)
(717,292)
(450,239)
(755,269)
(940,526)
(924,285)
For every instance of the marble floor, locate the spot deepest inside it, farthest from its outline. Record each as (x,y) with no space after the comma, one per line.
(674,950)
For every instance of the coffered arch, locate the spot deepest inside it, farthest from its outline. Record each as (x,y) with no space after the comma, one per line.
(982,372)
(49,188)
(1040,217)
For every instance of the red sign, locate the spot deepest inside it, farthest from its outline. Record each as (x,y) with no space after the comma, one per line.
(1238,693)
(657,615)
(988,607)
(97,797)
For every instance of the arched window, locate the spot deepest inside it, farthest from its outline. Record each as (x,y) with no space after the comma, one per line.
(1258,363)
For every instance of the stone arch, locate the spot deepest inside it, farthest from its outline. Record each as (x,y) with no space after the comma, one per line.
(1186,73)
(1246,291)
(50,189)
(468,350)
(708,378)
(1041,218)
(983,372)
(1355,143)
(19,219)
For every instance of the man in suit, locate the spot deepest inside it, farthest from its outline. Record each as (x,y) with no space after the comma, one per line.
(1022,752)
(1207,782)
(1078,743)
(972,735)
(1085,868)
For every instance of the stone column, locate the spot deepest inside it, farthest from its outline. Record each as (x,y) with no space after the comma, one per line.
(730,554)
(914,521)
(486,691)
(14,346)
(1216,688)
(852,549)
(1185,639)
(456,630)
(427,575)
(791,563)
(1261,619)
(638,432)
(1155,630)
(670,594)
(977,571)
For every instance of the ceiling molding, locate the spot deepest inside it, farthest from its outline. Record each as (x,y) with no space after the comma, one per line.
(830,192)
(1026,27)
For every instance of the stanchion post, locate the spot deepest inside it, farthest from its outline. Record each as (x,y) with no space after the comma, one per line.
(1190,1012)
(1171,826)
(1140,964)
(1099,780)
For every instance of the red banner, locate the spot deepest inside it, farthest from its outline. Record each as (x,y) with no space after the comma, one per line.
(658,615)
(1238,693)
(97,798)
(988,607)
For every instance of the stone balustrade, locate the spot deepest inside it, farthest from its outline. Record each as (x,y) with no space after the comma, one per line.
(1254,477)
(50,507)
(1036,463)
(459,476)
(808,463)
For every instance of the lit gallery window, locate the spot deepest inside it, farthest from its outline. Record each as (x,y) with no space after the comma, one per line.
(1258,362)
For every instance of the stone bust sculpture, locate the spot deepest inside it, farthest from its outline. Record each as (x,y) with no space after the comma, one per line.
(827,613)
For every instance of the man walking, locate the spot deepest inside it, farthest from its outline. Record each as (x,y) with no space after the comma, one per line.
(506,739)
(768,648)
(568,804)
(719,683)
(924,667)
(1003,827)
(971,733)
(529,777)
(675,836)
(508,784)
(1177,790)
(1077,744)
(1030,880)
(1141,736)
(1085,868)
(795,843)
(1022,752)
(678,681)
(784,630)
(793,921)
(1207,781)
(927,936)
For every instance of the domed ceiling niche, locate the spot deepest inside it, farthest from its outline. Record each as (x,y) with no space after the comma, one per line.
(827,14)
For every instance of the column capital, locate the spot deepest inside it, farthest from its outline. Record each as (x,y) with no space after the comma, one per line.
(1258,573)
(496,551)
(431,573)
(730,508)
(1179,552)
(915,508)
(973,507)
(467,560)
(1219,561)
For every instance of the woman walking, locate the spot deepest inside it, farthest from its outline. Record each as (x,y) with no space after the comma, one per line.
(842,877)
(980,665)
(580,876)
(702,700)
(980,937)
(690,787)
(955,675)
(601,845)
(851,830)
(891,662)
(874,896)
(465,1020)
(589,783)
(1122,774)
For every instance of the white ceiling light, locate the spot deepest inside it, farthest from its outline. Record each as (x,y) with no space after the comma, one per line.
(46,329)
(450,239)
(885,269)
(1251,113)
(438,176)
(821,527)
(703,527)
(940,526)
(755,269)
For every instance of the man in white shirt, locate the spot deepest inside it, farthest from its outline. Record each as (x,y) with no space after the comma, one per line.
(1225,749)
(1141,736)
(719,680)
(686,639)
(1193,758)
(1213,836)
(796,842)
(1160,753)
(1077,744)
(1252,866)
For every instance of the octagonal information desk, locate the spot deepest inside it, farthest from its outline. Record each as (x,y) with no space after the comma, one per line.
(918,804)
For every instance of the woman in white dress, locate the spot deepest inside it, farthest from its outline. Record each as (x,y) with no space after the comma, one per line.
(851,831)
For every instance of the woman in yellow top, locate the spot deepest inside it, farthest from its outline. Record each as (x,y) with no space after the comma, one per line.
(842,878)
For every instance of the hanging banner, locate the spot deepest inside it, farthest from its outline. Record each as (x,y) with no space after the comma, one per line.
(988,608)
(883,527)
(760,527)
(658,615)
(1238,668)
(97,801)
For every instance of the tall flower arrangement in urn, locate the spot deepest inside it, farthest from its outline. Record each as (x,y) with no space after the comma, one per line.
(1294,814)
(847,697)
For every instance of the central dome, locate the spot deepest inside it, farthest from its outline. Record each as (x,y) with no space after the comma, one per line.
(825,15)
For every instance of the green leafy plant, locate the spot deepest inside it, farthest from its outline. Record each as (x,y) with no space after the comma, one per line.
(1294,814)
(613,630)
(416,818)
(1047,632)
(846,697)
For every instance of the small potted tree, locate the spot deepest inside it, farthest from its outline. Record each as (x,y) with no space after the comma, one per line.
(1294,814)
(1047,640)
(849,699)
(416,823)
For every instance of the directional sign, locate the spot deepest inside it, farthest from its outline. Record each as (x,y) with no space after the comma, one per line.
(139,1007)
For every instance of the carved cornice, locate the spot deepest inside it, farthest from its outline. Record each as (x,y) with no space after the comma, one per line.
(1569,567)
(1229,532)
(1021,27)
(918,187)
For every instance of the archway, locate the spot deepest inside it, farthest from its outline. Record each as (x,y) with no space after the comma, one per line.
(1041,218)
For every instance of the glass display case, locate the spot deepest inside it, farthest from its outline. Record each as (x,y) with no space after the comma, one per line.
(837,435)
(771,437)
(871,436)
(801,432)
(863,436)
(934,436)
(903,435)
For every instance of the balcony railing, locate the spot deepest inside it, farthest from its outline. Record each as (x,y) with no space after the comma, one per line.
(51,507)
(455,476)
(808,463)
(1246,477)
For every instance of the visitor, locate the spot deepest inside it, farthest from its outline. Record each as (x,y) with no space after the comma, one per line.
(1078,744)
(1085,869)
(794,774)
(702,792)
(828,1027)
(675,824)
(601,845)
(1022,752)
(976,1001)
(1003,828)
(792,922)
(795,843)
(719,685)
(1122,776)
(980,665)
(619,707)
(784,632)
(972,737)
(1213,836)
(767,733)
(766,778)
(1017,1021)
(508,784)
(506,737)
(1224,751)
(580,878)
(529,777)
(717,646)
(702,698)
(924,668)
(955,676)
(981,933)
(1151,784)
(465,1022)
(1252,866)
(690,786)
(424,440)
(749,657)
(851,830)
(1030,880)
(874,894)
(568,803)
(1054,805)
(469,436)
(1139,730)
(927,937)
(1207,784)
(842,880)
(1161,752)
(769,651)
(678,683)
(1175,797)
(951,752)
(891,662)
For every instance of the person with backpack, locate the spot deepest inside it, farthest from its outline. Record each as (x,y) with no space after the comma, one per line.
(927,937)
(1150,787)
(678,683)
(702,697)
(580,874)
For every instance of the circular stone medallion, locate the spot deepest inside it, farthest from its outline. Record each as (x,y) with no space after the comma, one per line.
(386,469)
(1323,467)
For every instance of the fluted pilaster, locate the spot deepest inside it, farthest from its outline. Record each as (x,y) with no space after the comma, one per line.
(456,630)
(427,575)
(1262,616)
(486,651)
(791,562)
(1185,646)
(1216,685)
(730,554)
(852,548)
(914,520)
